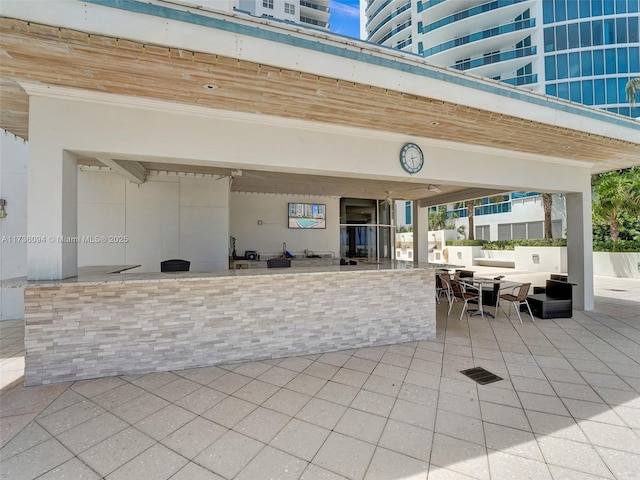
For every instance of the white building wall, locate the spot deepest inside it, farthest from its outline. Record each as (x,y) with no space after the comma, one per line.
(259,222)
(13,251)
(166,217)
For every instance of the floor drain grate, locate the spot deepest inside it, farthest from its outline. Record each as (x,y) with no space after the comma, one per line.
(481,375)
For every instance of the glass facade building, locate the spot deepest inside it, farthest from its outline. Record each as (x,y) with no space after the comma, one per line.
(584,51)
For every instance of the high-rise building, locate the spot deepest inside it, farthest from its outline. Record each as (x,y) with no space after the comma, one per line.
(584,51)
(307,12)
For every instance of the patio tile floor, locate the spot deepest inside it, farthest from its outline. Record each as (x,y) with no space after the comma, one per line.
(568,407)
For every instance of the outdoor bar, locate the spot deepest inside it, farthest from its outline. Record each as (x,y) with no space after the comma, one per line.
(101,324)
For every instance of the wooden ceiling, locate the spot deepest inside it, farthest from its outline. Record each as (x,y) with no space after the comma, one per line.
(62,57)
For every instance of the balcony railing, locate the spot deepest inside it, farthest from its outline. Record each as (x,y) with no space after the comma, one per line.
(315,6)
(487,7)
(313,21)
(495,58)
(521,80)
(398,29)
(474,37)
(384,22)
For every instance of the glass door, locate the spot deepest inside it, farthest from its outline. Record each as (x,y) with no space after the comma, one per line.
(366,229)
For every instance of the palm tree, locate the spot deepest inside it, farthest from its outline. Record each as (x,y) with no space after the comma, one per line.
(616,192)
(633,87)
(547,205)
(439,220)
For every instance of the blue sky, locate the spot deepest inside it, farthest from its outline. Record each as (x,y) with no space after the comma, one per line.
(345,17)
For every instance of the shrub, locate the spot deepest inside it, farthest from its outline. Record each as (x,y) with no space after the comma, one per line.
(619,246)
(466,243)
(531,242)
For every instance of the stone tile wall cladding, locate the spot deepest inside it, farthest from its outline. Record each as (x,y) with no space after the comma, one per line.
(76,331)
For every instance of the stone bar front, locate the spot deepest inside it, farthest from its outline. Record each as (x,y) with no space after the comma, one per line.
(139,323)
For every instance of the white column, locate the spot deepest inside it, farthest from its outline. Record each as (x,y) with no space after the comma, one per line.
(420,234)
(51,212)
(580,248)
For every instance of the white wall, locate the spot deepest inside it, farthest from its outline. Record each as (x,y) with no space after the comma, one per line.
(166,217)
(13,188)
(245,209)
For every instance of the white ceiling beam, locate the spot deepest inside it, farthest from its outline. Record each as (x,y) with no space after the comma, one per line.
(131,169)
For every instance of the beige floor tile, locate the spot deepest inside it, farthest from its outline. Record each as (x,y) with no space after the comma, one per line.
(252,369)
(164,422)
(561,473)
(229,411)
(140,407)
(334,358)
(91,388)
(321,412)
(611,436)
(272,463)
(371,353)
(307,384)
(177,389)
(383,385)
(372,402)
(345,456)
(201,400)
(301,439)
(598,412)
(69,417)
(256,391)
(262,424)
(28,437)
(361,425)
(203,375)
(321,370)
(349,377)
(573,455)
(624,465)
(25,400)
(12,426)
(296,364)
(504,415)
(193,437)
(512,441)
(390,371)
(467,406)
(71,469)
(91,432)
(112,453)
(396,360)
(361,364)
(388,464)
(192,471)
(460,456)
(157,463)
(461,427)
(229,454)
(543,403)
(35,461)
(313,472)
(556,426)
(407,439)
(152,381)
(502,396)
(507,467)
(424,379)
(439,473)
(413,414)
(337,393)
(117,396)
(230,382)
(278,376)
(66,399)
(287,401)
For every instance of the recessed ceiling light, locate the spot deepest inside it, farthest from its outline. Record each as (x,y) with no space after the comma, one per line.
(435,123)
(566,147)
(210,86)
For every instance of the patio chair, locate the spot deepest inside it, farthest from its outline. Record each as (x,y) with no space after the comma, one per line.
(175,265)
(443,286)
(517,296)
(466,293)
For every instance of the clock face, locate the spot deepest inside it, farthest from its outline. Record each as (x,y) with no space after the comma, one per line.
(411,158)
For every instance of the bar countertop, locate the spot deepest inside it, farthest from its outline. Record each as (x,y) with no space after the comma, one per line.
(102,274)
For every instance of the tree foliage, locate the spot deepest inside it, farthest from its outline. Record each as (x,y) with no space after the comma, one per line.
(616,205)
(632,89)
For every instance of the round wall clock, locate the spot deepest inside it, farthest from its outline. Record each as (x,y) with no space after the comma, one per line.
(411,158)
